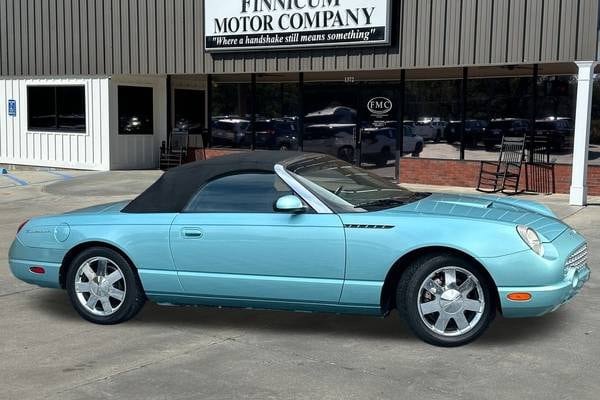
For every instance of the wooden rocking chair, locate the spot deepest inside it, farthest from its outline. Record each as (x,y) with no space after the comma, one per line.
(503,175)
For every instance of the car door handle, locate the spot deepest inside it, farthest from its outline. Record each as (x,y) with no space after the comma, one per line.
(192,233)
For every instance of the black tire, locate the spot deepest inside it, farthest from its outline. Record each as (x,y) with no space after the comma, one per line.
(418,149)
(383,158)
(134,298)
(284,147)
(408,296)
(346,153)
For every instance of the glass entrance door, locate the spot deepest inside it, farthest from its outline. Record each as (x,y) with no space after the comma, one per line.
(331,120)
(190,116)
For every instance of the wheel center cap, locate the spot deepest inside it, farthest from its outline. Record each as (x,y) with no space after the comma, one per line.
(99,286)
(451,301)
(450,295)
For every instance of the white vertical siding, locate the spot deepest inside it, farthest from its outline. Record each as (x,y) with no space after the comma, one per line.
(138,151)
(87,150)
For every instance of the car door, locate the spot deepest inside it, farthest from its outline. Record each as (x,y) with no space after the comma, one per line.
(231,244)
(410,140)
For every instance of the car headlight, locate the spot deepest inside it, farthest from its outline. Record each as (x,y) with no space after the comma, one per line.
(532,239)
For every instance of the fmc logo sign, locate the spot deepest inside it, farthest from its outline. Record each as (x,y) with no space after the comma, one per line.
(380,106)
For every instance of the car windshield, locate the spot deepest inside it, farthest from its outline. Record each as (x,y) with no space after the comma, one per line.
(500,125)
(346,188)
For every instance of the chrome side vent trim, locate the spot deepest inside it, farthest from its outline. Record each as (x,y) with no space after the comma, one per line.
(360,226)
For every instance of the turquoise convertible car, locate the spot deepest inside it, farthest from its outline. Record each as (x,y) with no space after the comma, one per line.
(307,232)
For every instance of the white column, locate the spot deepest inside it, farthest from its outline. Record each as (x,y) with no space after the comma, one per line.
(581,144)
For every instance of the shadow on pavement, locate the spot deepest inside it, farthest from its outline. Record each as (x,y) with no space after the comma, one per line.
(501,332)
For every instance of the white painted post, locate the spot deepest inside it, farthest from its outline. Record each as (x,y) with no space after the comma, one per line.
(581,143)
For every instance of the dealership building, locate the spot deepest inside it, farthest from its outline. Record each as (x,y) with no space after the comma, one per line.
(120,84)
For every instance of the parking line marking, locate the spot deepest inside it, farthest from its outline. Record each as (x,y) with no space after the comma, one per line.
(64,176)
(18,181)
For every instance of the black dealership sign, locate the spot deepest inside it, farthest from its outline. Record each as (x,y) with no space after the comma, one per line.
(240,25)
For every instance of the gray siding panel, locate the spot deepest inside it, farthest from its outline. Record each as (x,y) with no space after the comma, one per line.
(161,48)
(170,36)
(409,40)
(423,32)
(76,35)
(41,54)
(550,29)
(79,37)
(438,28)
(18,49)
(84,43)
(9,4)
(52,23)
(108,35)
(568,31)
(134,37)
(453,31)
(24,39)
(483,33)
(3,41)
(533,30)
(117,37)
(468,35)
(125,43)
(515,31)
(499,30)
(588,24)
(179,36)
(60,36)
(152,46)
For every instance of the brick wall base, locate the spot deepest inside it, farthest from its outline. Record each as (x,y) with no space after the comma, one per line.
(462,173)
(466,174)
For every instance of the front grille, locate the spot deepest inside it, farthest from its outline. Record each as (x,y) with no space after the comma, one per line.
(578,259)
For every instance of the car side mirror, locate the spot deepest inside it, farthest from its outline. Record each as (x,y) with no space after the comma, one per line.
(290,204)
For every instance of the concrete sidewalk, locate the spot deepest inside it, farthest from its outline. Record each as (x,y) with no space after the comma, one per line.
(48,351)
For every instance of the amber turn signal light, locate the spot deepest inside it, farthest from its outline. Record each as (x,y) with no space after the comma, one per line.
(519,296)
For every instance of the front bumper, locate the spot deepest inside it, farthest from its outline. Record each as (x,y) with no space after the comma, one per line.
(544,299)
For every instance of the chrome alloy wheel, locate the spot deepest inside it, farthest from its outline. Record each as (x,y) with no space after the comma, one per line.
(451,301)
(100,286)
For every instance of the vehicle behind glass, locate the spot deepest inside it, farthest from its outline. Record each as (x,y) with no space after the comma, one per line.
(558,131)
(230,131)
(499,128)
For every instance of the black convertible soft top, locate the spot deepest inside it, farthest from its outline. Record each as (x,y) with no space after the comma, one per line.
(173,191)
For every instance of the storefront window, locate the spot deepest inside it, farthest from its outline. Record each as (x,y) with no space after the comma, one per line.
(555,116)
(277,112)
(231,111)
(433,113)
(504,107)
(136,110)
(56,108)
(496,107)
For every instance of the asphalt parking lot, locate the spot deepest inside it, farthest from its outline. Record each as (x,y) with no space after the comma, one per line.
(47,351)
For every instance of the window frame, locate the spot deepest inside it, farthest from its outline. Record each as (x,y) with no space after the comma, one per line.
(135,86)
(185,210)
(57,129)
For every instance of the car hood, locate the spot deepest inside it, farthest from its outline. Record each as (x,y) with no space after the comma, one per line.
(101,208)
(497,209)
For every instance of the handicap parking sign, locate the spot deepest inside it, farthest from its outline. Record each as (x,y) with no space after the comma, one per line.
(12,108)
